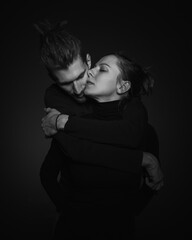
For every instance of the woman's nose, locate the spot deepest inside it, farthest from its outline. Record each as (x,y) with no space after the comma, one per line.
(90,73)
(93,71)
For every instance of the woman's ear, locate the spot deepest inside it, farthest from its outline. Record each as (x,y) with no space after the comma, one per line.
(123,86)
(88,60)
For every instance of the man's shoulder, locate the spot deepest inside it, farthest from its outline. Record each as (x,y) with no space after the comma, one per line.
(53,88)
(56,93)
(57,98)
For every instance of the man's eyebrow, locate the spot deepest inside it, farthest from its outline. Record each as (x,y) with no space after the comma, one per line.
(80,75)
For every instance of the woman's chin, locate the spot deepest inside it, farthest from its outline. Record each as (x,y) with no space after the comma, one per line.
(87,92)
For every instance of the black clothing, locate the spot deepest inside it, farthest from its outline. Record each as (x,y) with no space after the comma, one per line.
(127,132)
(91,179)
(57,98)
(108,111)
(102,185)
(78,223)
(128,160)
(101,198)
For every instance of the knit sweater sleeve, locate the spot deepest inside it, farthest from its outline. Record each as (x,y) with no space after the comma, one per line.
(127,132)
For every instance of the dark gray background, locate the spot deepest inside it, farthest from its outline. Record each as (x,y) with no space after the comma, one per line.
(156,35)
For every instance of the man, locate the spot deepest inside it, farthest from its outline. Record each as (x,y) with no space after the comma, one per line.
(67,66)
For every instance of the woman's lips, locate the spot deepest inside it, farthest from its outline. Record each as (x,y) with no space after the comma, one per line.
(90,83)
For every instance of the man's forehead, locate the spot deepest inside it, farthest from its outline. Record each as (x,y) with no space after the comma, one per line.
(75,70)
(71,74)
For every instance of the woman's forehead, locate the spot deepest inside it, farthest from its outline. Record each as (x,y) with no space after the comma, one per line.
(111,60)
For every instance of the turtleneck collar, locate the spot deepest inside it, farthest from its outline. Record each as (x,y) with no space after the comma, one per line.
(106,110)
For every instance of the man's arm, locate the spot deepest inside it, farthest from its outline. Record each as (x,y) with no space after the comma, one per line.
(113,157)
(100,154)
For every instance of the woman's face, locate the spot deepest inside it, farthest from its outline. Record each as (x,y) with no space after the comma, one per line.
(102,80)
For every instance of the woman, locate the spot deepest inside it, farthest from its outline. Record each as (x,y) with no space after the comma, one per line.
(115,84)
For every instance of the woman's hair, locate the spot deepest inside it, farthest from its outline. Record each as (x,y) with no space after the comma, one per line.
(141,80)
(58,48)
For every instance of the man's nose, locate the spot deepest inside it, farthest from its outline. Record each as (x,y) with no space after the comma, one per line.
(79,86)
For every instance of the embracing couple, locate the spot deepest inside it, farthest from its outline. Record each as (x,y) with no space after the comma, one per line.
(103,166)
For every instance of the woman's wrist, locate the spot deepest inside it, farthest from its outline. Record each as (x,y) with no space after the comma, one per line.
(61,120)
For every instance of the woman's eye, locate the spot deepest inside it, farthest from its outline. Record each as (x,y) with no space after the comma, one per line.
(102,69)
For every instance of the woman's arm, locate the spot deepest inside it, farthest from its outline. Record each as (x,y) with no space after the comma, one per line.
(126,132)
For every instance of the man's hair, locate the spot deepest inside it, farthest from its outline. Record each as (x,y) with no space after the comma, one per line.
(58,48)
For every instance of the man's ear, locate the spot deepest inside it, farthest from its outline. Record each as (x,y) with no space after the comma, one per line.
(88,60)
(123,86)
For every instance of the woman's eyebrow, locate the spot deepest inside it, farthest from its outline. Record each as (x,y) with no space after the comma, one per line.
(104,64)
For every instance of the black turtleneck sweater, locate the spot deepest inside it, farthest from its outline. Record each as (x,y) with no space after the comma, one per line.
(108,133)
(81,158)
(98,131)
(127,132)
(92,182)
